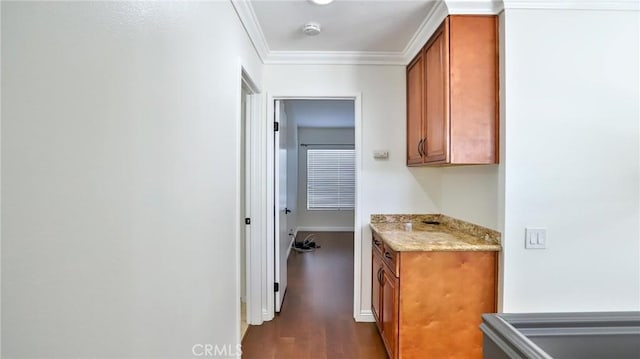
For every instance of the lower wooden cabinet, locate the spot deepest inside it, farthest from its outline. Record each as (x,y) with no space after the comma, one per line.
(429,304)
(376,290)
(389,309)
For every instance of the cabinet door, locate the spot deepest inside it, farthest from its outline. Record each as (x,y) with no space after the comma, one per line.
(376,281)
(415,110)
(436,147)
(390,295)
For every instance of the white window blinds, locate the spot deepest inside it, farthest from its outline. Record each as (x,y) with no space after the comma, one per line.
(331,179)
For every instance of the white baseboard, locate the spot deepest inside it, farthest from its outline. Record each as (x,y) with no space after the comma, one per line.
(324,229)
(365,316)
(266,316)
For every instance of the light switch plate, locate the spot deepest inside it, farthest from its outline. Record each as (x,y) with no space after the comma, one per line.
(535,238)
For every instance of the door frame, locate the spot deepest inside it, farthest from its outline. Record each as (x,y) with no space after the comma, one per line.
(253,195)
(269,149)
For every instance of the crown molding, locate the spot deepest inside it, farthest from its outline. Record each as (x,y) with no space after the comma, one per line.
(430,24)
(613,5)
(434,18)
(474,7)
(251,25)
(439,12)
(335,58)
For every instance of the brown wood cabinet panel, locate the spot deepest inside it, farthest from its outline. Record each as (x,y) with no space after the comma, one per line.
(436,131)
(415,110)
(376,282)
(442,296)
(392,260)
(474,85)
(390,313)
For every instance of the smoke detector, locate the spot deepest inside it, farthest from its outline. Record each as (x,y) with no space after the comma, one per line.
(311,29)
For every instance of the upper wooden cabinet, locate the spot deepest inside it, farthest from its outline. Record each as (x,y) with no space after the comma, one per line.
(436,120)
(415,109)
(452,95)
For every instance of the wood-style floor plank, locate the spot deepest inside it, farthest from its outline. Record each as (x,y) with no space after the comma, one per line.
(316,321)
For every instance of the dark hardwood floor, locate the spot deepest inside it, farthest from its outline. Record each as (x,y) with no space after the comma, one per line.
(316,320)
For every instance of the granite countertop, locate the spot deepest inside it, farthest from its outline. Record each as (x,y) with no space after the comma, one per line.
(450,235)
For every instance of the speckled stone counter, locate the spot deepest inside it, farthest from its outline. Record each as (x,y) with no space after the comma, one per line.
(450,235)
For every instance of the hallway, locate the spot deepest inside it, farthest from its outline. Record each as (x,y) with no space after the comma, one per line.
(317,316)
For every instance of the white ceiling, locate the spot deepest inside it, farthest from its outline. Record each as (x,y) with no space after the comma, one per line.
(321,113)
(380,32)
(347,25)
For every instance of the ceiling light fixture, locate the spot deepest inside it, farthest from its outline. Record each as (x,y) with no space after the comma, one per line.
(311,29)
(321,2)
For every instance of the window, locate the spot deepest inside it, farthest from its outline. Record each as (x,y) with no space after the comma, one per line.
(331,179)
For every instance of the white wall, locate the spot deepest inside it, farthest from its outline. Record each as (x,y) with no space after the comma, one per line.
(385,186)
(470,193)
(120,152)
(572,160)
(325,219)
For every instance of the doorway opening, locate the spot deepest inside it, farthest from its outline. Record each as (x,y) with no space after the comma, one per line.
(314,167)
(320,312)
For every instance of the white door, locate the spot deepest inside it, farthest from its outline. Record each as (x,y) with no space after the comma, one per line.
(282,239)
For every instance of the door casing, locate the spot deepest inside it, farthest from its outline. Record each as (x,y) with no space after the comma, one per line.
(253,206)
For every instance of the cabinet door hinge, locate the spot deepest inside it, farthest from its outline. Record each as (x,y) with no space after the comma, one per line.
(276,287)
(276,126)
(247,220)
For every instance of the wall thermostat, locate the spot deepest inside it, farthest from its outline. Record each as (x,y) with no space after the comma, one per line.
(381,155)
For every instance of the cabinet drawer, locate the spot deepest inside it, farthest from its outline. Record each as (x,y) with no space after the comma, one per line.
(377,244)
(390,257)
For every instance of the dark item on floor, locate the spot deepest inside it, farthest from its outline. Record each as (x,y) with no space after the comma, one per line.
(307,245)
